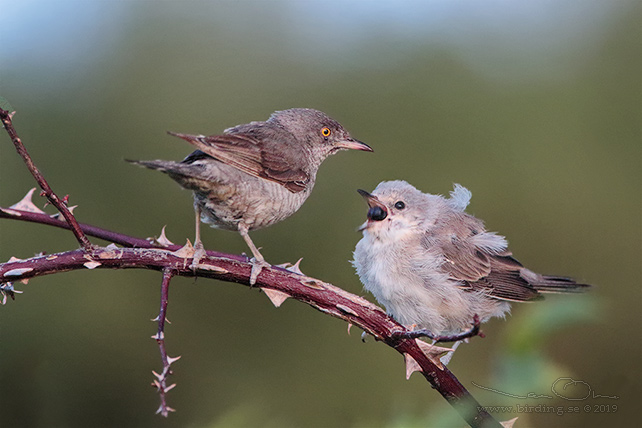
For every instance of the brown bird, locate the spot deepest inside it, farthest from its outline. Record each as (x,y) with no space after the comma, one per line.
(256,174)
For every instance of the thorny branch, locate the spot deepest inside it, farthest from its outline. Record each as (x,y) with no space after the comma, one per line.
(278,284)
(7,122)
(161,378)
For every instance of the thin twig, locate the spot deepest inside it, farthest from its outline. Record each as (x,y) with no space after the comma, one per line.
(161,378)
(6,118)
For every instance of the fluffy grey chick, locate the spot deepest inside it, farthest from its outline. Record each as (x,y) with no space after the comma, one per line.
(256,174)
(436,267)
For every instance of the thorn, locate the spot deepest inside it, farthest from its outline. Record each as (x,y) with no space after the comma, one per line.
(14,259)
(158,319)
(26,204)
(297,267)
(111,247)
(349,327)
(158,376)
(169,388)
(159,336)
(92,265)
(171,360)
(509,423)
(276,297)
(156,383)
(294,268)
(162,239)
(186,251)
(72,208)
(433,352)
(411,365)
(17,272)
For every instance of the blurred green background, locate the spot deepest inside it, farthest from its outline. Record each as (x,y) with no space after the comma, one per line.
(534,106)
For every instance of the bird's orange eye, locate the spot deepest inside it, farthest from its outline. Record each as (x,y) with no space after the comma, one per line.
(326,132)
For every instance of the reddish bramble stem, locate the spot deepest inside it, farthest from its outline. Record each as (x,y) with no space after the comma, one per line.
(6,119)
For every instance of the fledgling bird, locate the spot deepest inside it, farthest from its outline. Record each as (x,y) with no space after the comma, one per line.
(436,267)
(256,174)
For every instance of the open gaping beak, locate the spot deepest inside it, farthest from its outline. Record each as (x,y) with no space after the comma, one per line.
(377,211)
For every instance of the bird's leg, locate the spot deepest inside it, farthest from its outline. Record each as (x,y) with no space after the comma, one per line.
(446,358)
(199,249)
(414,334)
(258,262)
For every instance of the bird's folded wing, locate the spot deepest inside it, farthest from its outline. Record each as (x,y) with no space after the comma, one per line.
(249,155)
(479,268)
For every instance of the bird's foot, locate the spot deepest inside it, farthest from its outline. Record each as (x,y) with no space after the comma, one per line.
(414,334)
(199,253)
(257,267)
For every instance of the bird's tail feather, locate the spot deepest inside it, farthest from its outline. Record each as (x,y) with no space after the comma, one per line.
(188,176)
(559,284)
(176,170)
(160,165)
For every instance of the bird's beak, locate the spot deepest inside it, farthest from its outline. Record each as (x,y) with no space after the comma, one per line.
(353,144)
(372,200)
(377,211)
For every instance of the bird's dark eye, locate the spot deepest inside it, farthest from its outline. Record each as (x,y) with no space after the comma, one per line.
(326,132)
(400,205)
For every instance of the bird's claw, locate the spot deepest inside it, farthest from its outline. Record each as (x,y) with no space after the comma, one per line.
(199,254)
(257,267)
(414,334)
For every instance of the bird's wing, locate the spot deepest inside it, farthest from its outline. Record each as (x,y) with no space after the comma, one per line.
(505,281)
(479,261)
(250,156)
